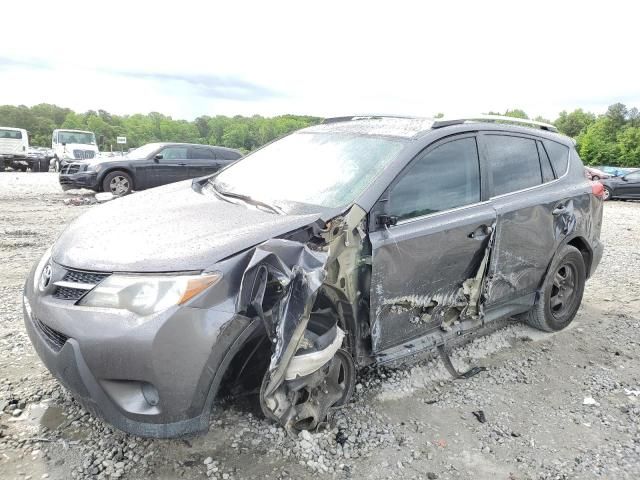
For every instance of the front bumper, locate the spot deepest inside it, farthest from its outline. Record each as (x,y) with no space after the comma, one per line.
(176,360)
(79,180)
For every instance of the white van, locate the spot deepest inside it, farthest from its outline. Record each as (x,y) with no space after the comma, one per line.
(72,145)
(14,144)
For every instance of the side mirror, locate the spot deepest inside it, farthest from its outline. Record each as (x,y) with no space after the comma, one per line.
(387,220)
(625,178)
(64,144)
(157,156)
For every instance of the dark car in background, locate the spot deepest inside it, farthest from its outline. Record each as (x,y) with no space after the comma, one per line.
(624,187)
(145,167)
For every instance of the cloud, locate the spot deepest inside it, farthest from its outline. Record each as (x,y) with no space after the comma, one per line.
(210,86)
(7,63)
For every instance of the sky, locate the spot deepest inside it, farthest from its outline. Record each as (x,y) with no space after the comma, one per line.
(328,58)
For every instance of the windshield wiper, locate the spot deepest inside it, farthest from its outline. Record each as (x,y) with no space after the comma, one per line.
(246,198)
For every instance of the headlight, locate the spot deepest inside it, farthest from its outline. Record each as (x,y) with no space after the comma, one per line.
(145,295)
(41,264)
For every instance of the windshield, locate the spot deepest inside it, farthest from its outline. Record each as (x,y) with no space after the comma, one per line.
(83,138)
(13,134)
(143,151)
(325,169)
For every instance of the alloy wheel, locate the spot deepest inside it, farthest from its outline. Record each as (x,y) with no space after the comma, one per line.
(119,185)
(563,290)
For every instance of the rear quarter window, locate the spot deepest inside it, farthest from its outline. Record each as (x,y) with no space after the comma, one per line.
(513,163)
(559,156)
(228,155)
(201,153)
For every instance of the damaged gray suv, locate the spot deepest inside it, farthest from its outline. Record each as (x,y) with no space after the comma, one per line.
(358,241)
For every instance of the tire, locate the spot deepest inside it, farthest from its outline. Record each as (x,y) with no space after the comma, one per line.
(607,194)
(561,292)
(56,164)
(595,177)
(119,183)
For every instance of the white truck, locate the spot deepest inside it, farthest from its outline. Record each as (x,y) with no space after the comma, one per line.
(72,146)
(14,147)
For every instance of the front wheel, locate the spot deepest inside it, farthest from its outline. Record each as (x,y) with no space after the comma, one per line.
(606,195)
(561,292)
(118,183)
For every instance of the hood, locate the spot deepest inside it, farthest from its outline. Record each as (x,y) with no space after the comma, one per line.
(165,229)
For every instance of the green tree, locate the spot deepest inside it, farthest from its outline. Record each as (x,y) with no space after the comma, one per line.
(574,123)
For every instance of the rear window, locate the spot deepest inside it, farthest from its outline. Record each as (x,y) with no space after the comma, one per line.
(13,134)
(201,153)
(228,154)
(559,156)
(513,163)
(545,164)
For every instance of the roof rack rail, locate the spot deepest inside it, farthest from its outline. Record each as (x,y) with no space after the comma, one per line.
(445,122)
(349,118)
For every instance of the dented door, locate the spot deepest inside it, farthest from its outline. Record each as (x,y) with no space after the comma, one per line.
(534,213)
(442,230)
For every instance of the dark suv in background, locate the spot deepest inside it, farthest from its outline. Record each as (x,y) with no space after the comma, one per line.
(358,241)
(148,166)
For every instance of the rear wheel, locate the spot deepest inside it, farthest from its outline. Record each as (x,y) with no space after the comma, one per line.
(561,293)
(118,183)
(595,177)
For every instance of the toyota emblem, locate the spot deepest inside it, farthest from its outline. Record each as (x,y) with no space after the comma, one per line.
(45,278)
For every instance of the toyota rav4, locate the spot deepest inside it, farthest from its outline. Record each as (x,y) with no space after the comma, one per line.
(361,240)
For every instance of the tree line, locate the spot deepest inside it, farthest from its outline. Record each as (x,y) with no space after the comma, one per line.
(243,133)
(612,138)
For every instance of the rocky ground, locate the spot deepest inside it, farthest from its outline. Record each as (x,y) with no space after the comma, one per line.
(550,406)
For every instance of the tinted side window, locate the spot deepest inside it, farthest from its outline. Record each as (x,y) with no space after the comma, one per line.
(446,177)
(634,176)
(228,155)
(174,153)
(201,153)
(513,163)
(559,155)
(545,163)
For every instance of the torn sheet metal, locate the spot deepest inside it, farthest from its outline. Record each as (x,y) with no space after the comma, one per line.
(442,299)
(299,273)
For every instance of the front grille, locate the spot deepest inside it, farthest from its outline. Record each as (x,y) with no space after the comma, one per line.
(83,154)
(65,293)
(70,168)
(76,276)
(84,277)
(53,337)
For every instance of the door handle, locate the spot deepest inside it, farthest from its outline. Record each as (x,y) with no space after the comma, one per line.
(182,164)
(481,232)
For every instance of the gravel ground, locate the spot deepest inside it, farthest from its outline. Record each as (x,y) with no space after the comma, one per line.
(554,406)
